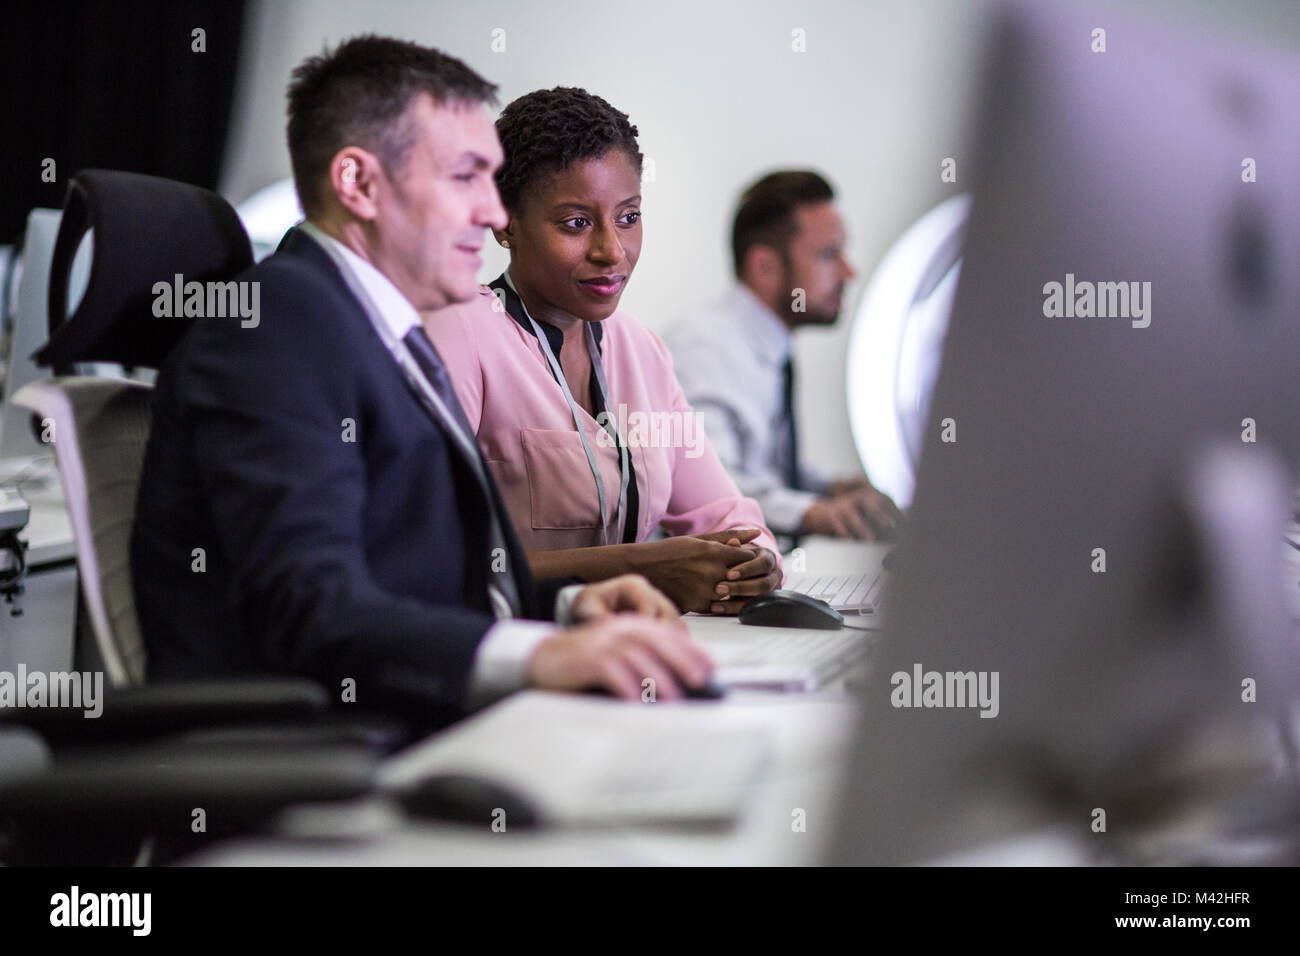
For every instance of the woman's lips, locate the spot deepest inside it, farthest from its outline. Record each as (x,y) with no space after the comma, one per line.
(603,286)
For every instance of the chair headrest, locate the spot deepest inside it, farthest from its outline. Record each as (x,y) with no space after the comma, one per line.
(146,230)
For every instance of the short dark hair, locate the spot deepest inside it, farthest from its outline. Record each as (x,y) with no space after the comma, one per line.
(546,130)
(766,216)
(356,95)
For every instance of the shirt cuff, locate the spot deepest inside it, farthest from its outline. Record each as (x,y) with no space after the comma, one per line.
(564,604)
(501,660)
(813,480)
(784,508)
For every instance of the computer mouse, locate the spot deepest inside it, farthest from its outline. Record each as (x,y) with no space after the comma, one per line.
(790,609)
(467,798)
(711,690)
(707,691)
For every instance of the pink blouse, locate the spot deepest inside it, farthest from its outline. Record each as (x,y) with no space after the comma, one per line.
(527,434)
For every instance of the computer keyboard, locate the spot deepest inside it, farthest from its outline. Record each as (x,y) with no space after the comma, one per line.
(843,592)
(670,776)
(778,659)
(595,761)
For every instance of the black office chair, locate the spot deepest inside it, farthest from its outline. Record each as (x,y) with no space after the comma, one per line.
(143,228)
(239,750)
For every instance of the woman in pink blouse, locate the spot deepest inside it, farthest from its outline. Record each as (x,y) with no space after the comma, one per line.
(574,402)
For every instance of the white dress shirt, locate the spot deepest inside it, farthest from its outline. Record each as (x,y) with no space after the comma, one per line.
(729,358)
(501,659)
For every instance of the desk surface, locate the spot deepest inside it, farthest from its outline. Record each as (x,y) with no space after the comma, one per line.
(810,735)
(48,532)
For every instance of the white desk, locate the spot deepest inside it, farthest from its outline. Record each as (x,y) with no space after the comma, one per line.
(49,530)
(809,735)
(42,638)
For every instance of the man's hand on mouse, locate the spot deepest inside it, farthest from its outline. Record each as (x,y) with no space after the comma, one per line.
(619,652)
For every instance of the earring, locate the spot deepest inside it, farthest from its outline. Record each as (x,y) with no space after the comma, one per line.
(505,243)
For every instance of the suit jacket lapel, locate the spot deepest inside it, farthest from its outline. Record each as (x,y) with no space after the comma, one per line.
(485,491)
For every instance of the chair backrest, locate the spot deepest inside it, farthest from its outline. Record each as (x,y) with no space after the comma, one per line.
(146,230)
(99,428)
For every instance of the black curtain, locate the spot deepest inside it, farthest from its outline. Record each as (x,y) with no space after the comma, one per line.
(116,85)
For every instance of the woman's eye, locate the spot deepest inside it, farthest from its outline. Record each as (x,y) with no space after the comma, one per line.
(466,177)
(632,218)
(577,222)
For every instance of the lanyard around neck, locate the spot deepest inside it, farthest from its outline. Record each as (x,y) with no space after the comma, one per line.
(575,411)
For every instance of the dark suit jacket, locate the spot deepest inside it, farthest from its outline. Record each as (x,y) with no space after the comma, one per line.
(342,535)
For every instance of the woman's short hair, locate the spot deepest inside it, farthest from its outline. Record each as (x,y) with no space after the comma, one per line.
(545,131)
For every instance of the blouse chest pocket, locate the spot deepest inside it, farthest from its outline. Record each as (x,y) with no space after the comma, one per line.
(560,484)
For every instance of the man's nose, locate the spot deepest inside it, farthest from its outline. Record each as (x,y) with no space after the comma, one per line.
(490,212)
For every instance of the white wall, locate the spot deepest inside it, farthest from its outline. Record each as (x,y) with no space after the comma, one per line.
(878,99)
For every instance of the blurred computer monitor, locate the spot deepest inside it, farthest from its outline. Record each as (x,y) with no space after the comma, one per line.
(1088,634)
(896,341)
(268,214)
(30,330)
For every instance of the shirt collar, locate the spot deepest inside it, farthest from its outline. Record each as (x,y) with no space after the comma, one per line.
(515,309)
(768,335)
(395,309)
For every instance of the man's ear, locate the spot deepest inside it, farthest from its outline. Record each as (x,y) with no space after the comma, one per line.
(355,178)
(763,267)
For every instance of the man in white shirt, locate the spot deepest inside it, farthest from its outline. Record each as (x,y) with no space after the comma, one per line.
(734,360)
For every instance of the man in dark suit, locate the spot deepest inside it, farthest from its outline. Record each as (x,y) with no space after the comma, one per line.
(311,501)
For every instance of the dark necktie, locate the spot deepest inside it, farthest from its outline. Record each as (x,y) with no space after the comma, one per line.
(435,372)
(426,356)
(791,470)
